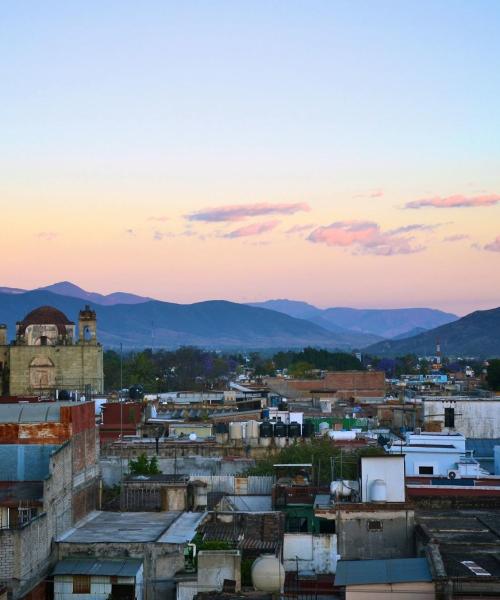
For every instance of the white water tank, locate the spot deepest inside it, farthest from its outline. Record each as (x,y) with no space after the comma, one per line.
(268,574)
(324,427)
(340,488)
(252,429)
(341,435)
(235,431)
(378,491)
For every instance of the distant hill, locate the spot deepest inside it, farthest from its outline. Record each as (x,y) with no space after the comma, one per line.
(384,323)
(66,288)
(212,324)
(477,334)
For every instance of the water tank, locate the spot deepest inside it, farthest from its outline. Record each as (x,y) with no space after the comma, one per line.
(340,488)
(294,429)
(268,574)
(280,429)
(266,429)
(324,427)
(341,435)
(308,429)
(136,392)
(235,431)
(265,413)
(64,395)
(252,430)
(221,428)
(378,491)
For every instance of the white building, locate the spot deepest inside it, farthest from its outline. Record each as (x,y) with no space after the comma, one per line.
(436,454)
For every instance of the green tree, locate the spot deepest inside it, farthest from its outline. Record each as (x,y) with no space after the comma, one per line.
(144,466)
(493,374)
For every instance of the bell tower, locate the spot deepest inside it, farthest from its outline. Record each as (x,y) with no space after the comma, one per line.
(87,327)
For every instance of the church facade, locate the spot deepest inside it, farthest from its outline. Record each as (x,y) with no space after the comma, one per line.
(50,354)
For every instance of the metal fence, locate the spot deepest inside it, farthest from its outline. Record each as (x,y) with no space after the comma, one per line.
(239,486)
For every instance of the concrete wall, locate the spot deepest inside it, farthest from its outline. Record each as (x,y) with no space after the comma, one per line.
(216,565)
(309,552)
(358,541)
(420,590)
(100,587)
(473,418)
(389,469)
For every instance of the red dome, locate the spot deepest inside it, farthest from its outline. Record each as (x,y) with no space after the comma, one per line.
(45,315)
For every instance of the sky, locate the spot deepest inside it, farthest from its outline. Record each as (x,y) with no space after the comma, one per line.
(343,153)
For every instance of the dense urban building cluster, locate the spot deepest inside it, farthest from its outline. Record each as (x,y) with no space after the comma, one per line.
(338,484)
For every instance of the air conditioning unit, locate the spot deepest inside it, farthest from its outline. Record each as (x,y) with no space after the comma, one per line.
(453,474)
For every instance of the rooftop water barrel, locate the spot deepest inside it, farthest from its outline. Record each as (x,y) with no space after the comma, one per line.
(252,429)
(268,574)
(280,429)
(308,429)
(235,431)
(378,491)
(294,429)
(266,430)
(341,435)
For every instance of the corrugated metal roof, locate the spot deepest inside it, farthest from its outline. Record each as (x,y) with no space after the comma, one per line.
(127,567)
(183,529)
(39,412)
(394,570)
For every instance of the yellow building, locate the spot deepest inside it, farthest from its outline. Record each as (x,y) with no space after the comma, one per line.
(46,358)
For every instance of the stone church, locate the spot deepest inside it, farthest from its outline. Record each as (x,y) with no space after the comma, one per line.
(46,357)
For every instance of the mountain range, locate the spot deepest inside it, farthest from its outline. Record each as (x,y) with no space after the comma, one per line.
(138,322)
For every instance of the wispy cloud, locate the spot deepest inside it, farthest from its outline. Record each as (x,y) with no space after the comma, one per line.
(494,246)
(300,228)
(456,238)
(254,229)
(415,227)
(377,193)
(47,236)
(239,212)
(457,201)
(365,237)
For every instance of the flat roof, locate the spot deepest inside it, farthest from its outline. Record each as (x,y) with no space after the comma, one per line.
(126,567)
(120,527)
(394,570)
(183,529)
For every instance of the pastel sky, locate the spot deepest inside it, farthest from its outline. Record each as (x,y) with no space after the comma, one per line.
(345,153)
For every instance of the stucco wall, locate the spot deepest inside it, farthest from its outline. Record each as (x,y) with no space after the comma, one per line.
(473,418)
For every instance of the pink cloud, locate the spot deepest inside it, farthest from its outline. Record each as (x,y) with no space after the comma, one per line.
(254,229)
(378,193)
(364,237)
(239,212)
(456,238)
(300,228)
(494,246)
(457,201)
(48,236)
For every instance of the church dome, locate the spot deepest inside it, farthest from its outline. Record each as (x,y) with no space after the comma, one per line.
(46,315)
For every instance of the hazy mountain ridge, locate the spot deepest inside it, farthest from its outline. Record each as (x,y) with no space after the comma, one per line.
(476,334)
(214,324)
(384,323)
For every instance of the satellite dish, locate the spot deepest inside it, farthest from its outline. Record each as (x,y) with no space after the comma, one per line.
(192,437)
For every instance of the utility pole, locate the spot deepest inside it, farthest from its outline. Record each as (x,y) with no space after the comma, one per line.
(120,400)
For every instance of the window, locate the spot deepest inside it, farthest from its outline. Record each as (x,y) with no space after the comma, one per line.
(449,417)
(374,526)
(81,584)
(327,525)
(297,525)
(425,470)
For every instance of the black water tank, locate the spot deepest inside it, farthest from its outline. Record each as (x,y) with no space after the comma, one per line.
(64,395)
(221,428)
(266,429)
(136,392)
(294,429)
(280,429)
(308,429)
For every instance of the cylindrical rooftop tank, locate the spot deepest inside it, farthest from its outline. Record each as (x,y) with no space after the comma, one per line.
(339,488)
(136,392)
(308,429)
(324,427)
(378,491)
(341,435)
(266,429)
(268,574)
(252,429)
(235,431)
(294,429)
(265,413)
(221,428)
(280,429)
